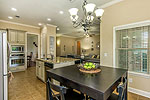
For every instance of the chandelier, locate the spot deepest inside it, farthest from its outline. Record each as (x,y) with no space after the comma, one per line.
(90,11)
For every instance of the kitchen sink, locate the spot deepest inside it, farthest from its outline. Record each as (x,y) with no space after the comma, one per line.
(46,58)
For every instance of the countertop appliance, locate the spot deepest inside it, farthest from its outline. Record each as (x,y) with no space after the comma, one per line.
(3,66)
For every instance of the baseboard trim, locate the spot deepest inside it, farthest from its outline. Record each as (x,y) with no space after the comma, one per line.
(139,92)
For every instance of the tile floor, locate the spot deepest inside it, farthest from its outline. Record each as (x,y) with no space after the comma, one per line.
(25,86)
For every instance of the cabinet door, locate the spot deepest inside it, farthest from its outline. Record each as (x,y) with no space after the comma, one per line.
(21,37)
(12,37)
(37,68)
(42,71)
(51,48)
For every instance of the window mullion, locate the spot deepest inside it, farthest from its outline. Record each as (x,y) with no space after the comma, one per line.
(148,51)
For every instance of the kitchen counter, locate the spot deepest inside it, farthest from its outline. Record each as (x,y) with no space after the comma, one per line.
(43,64)
(58,60)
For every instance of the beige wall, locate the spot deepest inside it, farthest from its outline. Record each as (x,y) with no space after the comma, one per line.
(125,12)
(86,44)
(51,31)
(5,25)
(69,43)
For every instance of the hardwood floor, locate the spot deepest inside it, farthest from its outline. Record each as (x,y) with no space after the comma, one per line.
(25,86)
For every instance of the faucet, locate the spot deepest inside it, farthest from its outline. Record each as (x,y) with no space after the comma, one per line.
(51,56)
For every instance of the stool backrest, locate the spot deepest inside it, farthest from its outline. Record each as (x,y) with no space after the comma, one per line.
(121,90)
(62,90)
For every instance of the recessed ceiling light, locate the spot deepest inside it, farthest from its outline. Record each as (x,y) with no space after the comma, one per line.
(48,19)
(10,17)
(13,9)
(61,12)
(58,29)
(39,24)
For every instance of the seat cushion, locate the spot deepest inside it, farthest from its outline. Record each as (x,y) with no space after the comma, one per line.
(71,95)
(113,97)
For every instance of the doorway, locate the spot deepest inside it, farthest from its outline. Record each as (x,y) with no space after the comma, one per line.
(32,49)
(78,48)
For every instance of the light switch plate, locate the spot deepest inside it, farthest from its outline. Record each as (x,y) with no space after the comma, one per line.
(130,80)
(105,54)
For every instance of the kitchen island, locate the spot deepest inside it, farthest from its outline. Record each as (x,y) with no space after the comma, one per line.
(99,86)
(43,64)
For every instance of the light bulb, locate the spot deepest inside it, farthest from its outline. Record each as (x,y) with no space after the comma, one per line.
(99,12)
(73,11)
(90,7)
(90,18)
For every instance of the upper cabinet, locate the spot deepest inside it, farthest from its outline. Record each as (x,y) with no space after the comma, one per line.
(15,36)
(21,37)
(12,36)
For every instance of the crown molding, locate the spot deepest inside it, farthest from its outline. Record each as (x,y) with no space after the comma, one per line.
(51,25)
(110,3)
(10,22)
(64,35)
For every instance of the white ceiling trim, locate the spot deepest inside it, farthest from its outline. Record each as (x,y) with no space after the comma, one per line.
(133,25)
(62,35)
(51,25)
(19,24)
(110,3)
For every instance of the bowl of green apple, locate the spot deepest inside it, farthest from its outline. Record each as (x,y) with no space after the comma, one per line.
(89,67)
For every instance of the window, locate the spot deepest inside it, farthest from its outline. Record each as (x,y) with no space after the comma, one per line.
(132,49)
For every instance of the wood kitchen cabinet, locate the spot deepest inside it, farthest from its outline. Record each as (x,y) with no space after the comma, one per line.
(15,36)
(40,70)
(21,37)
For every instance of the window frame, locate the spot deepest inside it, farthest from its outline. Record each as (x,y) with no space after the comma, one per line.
(126,26)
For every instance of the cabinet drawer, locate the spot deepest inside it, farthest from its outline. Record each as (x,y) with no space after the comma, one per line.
(20,68)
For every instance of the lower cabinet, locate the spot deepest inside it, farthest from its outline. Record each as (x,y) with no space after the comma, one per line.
(17,69)
(40,70)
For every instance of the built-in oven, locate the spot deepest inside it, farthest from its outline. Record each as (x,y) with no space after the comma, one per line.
(17,60)
(16,48)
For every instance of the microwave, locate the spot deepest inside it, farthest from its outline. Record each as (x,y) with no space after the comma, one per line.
(16,48)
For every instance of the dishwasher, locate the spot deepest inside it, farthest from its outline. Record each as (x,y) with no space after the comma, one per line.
(49,66)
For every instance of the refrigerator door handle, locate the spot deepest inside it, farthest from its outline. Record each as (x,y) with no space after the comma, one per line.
(9,74)
(8,58)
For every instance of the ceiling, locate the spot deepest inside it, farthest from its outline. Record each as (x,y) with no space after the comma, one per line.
(32,12)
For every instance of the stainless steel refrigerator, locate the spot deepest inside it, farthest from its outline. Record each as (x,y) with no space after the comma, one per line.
(3,66)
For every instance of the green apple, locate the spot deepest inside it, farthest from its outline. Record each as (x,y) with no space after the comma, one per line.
(93,66)
(86,64)
(89,67)
(90,64)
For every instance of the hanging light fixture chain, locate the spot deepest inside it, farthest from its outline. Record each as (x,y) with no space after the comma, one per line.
(88,18)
